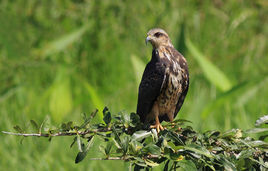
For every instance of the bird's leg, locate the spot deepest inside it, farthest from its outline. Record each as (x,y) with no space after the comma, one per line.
(171,117)
(155,111)
(157,125)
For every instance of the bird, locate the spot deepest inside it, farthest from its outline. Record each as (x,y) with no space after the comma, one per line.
(165,82)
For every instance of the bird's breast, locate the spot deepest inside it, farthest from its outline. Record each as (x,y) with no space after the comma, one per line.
(170,93)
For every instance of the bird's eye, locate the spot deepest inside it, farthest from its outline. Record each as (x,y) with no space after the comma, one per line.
(157,34)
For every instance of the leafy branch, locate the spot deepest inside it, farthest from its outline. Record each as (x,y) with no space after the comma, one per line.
(178,146)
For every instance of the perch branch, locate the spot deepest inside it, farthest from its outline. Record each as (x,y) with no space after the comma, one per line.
(57,134)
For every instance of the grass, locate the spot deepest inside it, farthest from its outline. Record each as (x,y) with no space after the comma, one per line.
(60,59)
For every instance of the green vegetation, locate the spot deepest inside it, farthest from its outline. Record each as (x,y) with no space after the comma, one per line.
(122,137)
(59,59)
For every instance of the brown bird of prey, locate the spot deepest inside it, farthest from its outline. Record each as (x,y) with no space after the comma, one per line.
(164,83)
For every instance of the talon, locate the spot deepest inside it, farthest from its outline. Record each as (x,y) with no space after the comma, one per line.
(158,127)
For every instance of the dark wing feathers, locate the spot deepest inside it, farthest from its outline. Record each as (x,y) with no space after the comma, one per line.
(150,87)
(184,82)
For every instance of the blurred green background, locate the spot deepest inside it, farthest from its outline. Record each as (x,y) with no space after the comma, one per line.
(59,59)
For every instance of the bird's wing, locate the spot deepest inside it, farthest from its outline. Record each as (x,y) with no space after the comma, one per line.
(184,82)
(150,87)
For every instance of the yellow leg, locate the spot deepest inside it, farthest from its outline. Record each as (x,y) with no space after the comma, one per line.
(157,125)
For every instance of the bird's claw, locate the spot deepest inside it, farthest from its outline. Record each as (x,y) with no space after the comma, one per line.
(158,127)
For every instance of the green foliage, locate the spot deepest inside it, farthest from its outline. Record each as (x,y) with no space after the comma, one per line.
(59,59)
(178,146)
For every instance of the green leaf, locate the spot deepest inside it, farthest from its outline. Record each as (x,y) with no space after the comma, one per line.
(211,72)
(34,124)
(233,133)
(79,144)
(106,116)
(256,130)
(175,137)
(212,133)
(88,119)
(140,135)
(135,146)
(134,119)
(174,147)
(108,148)
(116,137)
(166,166)
(124,144)
(258,143)
(74,140)
(187,165)
(151,149)
(18,129)
(181,121)
(151,163)
(63,126)
(81,155)
(262,120)
(229,166)
(245,154)
(69,125)
(198,149)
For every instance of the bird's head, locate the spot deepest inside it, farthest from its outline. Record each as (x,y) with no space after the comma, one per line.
(158,37)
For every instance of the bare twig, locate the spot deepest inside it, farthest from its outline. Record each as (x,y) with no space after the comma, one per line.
(125,157)
(57,134)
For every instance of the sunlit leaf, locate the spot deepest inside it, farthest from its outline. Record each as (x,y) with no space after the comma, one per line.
(256,130)
(139,135)
(79,143)
(151,163)
(245,154)
(258,143)
(262,120)
(125,143)
(211,71)
(198,149)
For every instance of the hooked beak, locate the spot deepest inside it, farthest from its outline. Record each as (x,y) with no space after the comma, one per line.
(148,38)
